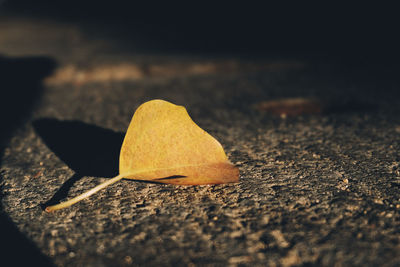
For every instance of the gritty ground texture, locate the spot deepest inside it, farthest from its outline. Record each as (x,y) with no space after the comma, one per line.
(319,189)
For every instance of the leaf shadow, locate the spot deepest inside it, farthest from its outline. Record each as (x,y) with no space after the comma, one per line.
(89,150)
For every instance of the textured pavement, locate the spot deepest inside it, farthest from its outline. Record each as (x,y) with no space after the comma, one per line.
(315,189)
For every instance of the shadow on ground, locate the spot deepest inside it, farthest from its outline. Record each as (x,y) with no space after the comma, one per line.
(87,149)
(20,88)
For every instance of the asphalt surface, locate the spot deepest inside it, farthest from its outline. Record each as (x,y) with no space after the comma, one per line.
(315,189)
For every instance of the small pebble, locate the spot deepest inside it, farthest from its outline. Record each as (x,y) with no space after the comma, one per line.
(128,260)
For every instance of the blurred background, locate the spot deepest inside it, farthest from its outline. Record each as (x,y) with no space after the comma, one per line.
(348,30)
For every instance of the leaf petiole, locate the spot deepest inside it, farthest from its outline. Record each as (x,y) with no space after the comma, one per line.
(84,195)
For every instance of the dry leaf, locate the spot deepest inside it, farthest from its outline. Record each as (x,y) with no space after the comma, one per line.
(163,141)
(164,145)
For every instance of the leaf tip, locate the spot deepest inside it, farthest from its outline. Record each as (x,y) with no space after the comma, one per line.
(48,209)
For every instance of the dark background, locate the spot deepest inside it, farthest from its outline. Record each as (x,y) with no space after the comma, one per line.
(356,31)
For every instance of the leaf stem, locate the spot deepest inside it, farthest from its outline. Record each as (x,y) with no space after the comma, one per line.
(84,195)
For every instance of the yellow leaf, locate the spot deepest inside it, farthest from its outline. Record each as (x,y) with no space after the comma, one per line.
(164,145)
(163,141)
